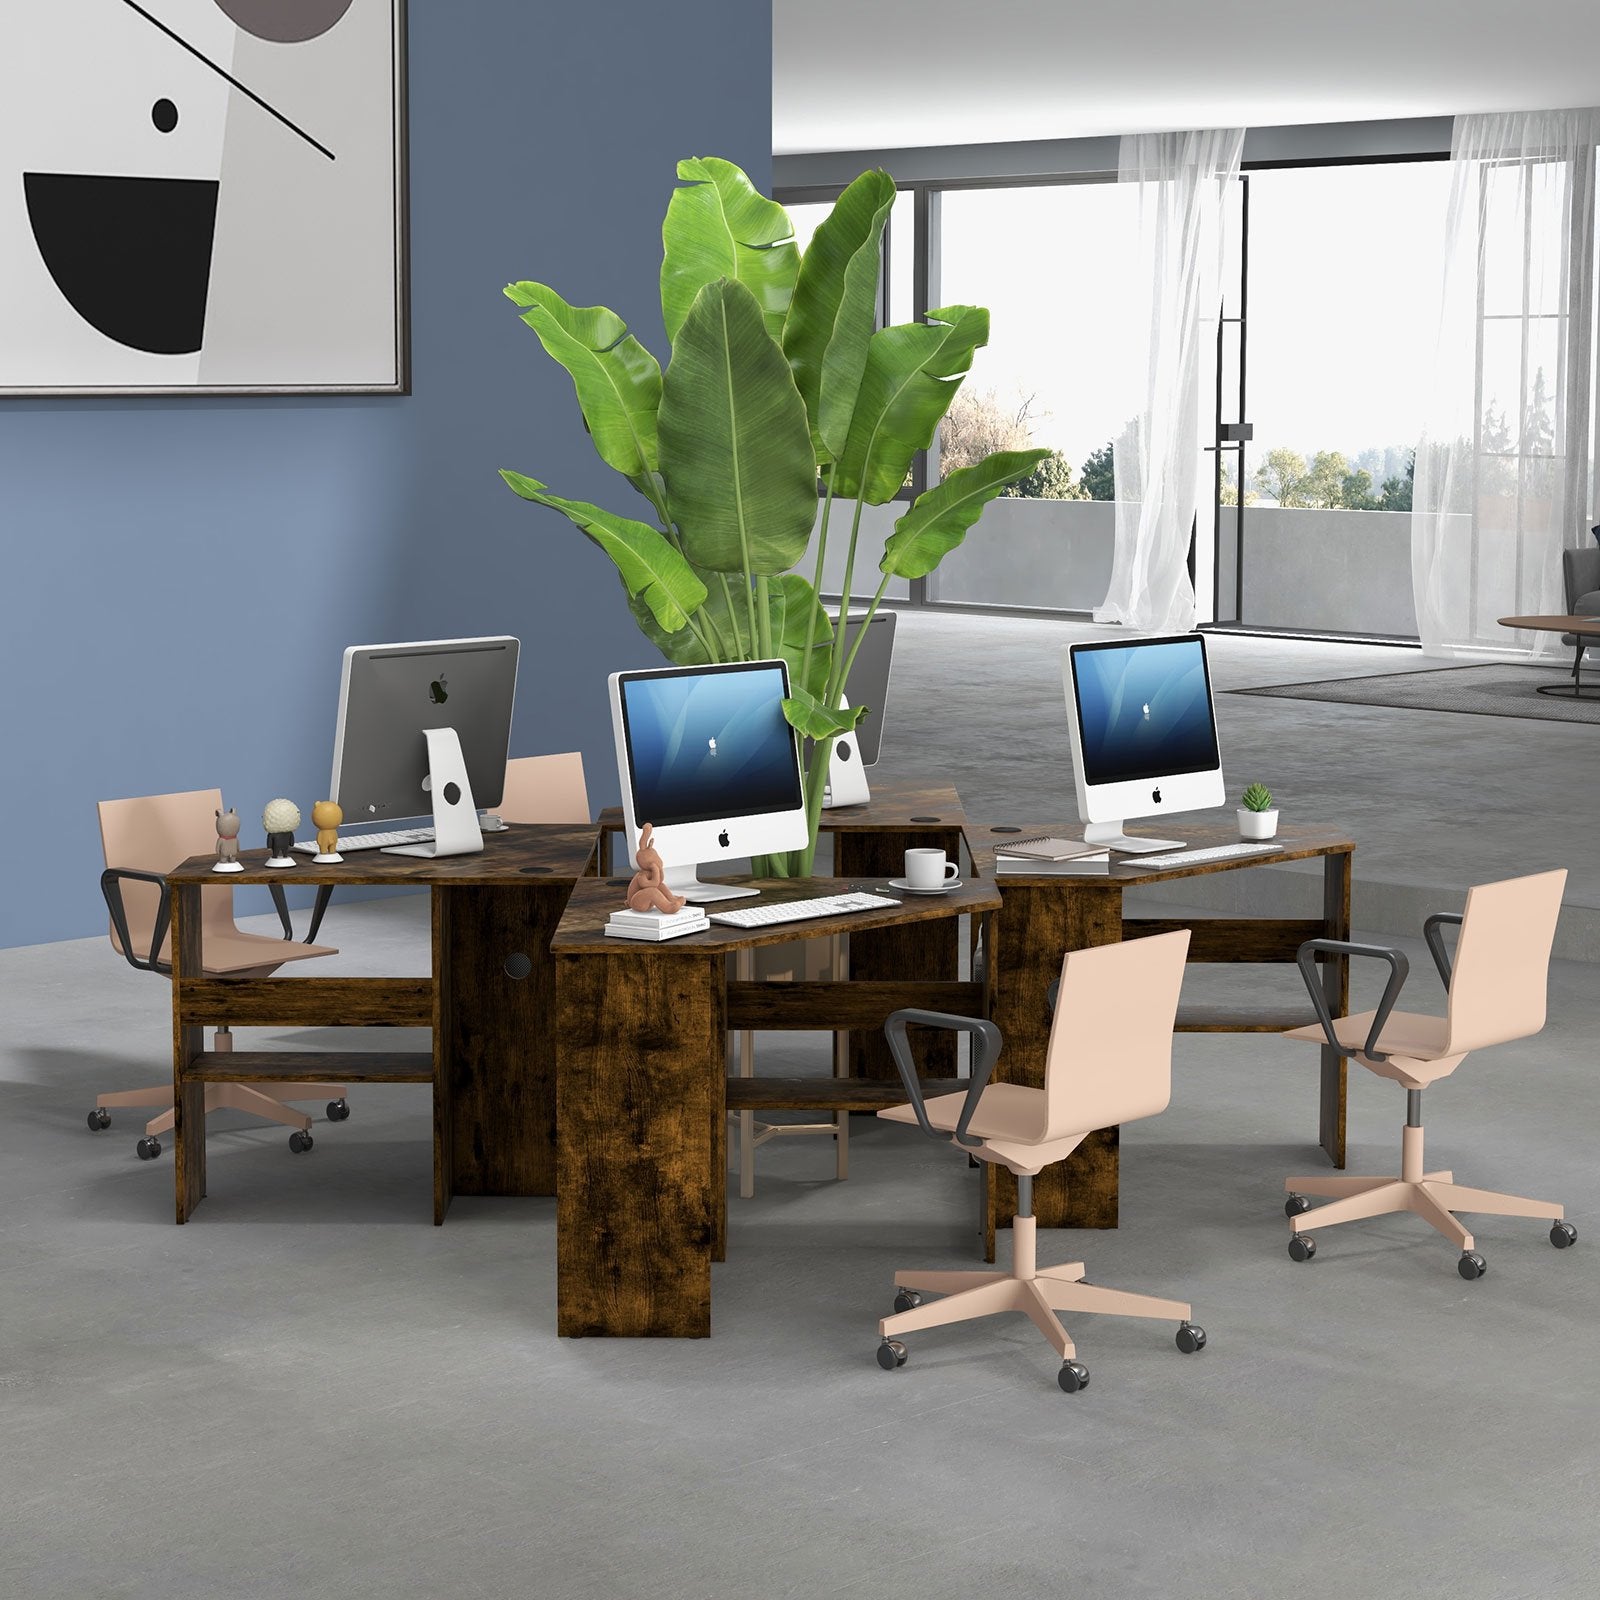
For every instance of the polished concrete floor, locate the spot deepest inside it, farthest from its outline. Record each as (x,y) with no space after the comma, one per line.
(309,1391)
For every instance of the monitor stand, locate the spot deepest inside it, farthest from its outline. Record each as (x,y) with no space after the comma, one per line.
(685,882)
(455,818)
(1109,836)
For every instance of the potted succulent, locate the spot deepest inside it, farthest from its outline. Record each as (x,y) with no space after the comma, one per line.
(784,408)
(1258,817)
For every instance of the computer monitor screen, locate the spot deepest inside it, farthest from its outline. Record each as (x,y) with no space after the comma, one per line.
(390,693)
(705,756)
(1144,734)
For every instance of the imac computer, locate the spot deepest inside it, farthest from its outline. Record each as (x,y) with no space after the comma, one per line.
(705,756)
(867,685)
(425,728)
(1144,734)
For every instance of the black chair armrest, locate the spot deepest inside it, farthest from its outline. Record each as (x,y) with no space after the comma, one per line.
(1399,968)
(281,905)
(111,888)
(1432,931)
(985,1052)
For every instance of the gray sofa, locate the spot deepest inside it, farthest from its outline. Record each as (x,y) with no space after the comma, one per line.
(1580,572)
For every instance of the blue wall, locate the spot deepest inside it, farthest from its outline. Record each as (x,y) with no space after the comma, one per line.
(181,577)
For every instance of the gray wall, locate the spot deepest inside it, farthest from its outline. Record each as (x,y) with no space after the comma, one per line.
(1050,553)
(180,577)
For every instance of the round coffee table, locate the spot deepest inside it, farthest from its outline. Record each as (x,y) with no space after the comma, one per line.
(1587,630)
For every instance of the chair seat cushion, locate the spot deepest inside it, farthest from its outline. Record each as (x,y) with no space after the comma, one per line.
(1009,1120)
(1414,1044)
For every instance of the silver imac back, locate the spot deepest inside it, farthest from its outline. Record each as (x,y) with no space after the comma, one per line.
(391,695)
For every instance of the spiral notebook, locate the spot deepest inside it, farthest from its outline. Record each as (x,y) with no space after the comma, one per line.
(1049,847)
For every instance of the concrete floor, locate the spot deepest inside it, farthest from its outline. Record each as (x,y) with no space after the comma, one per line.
(310,1391)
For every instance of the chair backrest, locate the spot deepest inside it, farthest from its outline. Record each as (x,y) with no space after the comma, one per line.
(546,789)
(153,834)
(1580,575)
(1109,1059)
(1502,962)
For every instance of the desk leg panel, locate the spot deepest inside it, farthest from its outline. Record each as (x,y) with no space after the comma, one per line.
(1037,924)
(188,1096)
(496,979)
(1336,884)
(917,950)
(641,1041)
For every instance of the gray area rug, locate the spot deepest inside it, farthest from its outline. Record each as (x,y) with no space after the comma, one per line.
(1490,690)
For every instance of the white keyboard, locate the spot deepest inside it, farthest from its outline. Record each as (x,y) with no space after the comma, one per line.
(369,841)
(1188,858)
(831,905)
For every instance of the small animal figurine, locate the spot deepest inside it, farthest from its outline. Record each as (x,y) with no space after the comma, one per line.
(648,891)
(280,818)
(327,815)
(228,842)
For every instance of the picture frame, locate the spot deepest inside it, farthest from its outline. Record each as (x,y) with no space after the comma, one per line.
(209,197)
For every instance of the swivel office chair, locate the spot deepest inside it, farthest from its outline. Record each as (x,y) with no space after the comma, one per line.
(1108,1061)
(1496,993)
(143,839)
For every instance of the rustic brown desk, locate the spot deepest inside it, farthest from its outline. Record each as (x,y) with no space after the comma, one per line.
(642,1092)
(489,1001)
(1045,914)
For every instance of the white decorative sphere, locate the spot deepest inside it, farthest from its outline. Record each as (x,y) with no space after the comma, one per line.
(280,816)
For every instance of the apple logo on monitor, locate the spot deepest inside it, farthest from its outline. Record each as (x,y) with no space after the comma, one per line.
(1155,794)
(1147,711)
(722,838)
(438,690)
(711,745)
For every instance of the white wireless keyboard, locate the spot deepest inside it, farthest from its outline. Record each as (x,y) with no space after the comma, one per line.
(830,905)
(1188,858)
(369,841)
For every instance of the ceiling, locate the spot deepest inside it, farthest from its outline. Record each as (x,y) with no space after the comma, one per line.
(885,74)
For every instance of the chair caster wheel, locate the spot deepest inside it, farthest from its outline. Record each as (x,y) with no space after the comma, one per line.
(1296,1205)
(99,1119)
(1190,1338)
(1471,1265)
(1073,1376)
(299,1142)
(338,1110)
(1562,1234)
(1302,1247)
(909,1299)
(891,1354)
(148,1149)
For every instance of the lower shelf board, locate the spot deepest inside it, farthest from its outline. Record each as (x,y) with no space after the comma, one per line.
(1242,1019)
(828,1094)
(312,1066)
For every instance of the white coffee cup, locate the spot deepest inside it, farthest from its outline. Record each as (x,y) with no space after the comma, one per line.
(928,869)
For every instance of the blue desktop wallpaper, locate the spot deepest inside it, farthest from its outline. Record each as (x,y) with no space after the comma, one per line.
(1144,711)
(704,746)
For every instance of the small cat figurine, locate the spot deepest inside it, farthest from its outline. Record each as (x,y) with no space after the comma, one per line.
(228,837)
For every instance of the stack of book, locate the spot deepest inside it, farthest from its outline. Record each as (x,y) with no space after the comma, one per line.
(656,925)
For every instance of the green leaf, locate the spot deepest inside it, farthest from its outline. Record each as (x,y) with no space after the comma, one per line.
(939,518)
(735,451)
(618,381)
(813,720)
(651,568)
(682,649)
(913,372)
(795,610)
(722,226)
(834,309)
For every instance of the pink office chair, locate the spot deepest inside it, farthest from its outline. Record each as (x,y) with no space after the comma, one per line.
(1109,1061)
(545,789)
(1496,994)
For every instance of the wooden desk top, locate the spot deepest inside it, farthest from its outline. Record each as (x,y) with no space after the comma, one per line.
(582,927)
(550,851)
(1299,844)
(896,805)
(1553,624)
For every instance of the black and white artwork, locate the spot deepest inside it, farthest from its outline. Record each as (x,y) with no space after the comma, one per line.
(201,195)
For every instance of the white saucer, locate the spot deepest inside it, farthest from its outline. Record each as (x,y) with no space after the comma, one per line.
(910,888)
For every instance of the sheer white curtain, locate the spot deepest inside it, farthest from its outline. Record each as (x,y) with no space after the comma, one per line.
(1182,179)
(1503,470)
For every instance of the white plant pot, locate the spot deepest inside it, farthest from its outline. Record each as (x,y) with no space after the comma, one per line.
(1258,824)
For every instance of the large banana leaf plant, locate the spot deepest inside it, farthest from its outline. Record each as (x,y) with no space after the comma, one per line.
(782,397)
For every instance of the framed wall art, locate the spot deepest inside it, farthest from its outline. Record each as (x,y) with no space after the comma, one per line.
(202,197)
